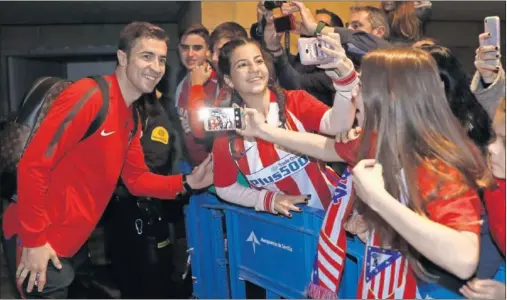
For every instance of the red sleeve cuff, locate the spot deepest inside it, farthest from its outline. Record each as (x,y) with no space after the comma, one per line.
(31,239)
(346,80)
(269,202)
(348,151)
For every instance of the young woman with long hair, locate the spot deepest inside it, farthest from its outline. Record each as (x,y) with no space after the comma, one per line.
(279,178)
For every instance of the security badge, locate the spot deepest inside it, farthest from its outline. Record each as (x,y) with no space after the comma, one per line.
(160,134)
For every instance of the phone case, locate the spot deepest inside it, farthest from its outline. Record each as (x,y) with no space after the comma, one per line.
(310,52)
(492,25)
(221,119)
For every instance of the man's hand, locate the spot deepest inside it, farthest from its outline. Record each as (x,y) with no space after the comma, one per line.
(202,175)
(34,261)
(200,74)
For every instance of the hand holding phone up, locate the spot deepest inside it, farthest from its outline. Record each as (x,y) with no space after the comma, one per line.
(487,56)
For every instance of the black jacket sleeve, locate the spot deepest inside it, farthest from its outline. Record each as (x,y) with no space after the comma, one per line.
(316,83)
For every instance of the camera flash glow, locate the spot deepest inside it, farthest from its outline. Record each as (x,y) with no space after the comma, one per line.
(204,114)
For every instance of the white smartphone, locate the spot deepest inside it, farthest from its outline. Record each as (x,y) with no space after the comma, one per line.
(221,119)
(492,25)
(310,52)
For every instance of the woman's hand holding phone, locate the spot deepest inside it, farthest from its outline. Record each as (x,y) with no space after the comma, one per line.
(253,123)
(341,65)
(487,59)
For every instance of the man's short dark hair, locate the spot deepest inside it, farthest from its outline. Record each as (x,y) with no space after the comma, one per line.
(376,17)
(136,30)
(197,29)
(229,30)
(336,21)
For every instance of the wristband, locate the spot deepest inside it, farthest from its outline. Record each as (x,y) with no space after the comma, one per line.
(319,28)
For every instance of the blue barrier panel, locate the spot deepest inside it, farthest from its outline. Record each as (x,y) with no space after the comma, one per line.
(206,243)
(273,252)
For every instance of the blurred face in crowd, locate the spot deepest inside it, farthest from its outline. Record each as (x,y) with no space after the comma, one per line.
(193,51)
(323,18)
(216,51)
(249,73)
(144,65)
(358,20)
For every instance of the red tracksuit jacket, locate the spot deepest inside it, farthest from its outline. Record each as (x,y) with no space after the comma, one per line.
(64,185)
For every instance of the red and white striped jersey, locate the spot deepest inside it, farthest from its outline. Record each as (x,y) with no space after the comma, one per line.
(269,167)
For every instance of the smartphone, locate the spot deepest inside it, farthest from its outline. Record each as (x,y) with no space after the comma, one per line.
(285,23)
(310,52)
(492,25)
(221,119)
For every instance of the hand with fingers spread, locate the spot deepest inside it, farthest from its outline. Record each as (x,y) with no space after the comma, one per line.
(34,263)
(368,180)
(487,59)
(349,135)
(342,65)
(253,123)
(483,289)
(200,74)
(283,204)
(202,175)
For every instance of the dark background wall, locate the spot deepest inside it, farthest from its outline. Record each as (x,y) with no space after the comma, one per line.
(74,37)
(71,39)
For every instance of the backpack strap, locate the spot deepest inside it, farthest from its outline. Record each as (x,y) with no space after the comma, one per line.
(102,114)
(135,116)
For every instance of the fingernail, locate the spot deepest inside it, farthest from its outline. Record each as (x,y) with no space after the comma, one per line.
(300,210)
(498,55)
(489,33)
(497,68)
(290,216)
(309,196)
(496,48)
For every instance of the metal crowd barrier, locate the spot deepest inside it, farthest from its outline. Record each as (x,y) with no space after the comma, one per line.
(239,253)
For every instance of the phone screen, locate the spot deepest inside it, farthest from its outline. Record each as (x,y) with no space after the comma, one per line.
(221,119)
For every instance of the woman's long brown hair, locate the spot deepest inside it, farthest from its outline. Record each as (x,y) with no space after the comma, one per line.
(403,21)
(405,106)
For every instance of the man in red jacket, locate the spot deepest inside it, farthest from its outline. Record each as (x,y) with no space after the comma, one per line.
(65,184)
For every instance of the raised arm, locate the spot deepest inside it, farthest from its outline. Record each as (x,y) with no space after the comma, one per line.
(448,235)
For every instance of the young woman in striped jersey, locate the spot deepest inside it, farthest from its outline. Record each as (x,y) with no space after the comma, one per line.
(278,178)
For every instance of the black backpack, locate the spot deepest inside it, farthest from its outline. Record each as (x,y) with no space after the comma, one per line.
(22,125)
